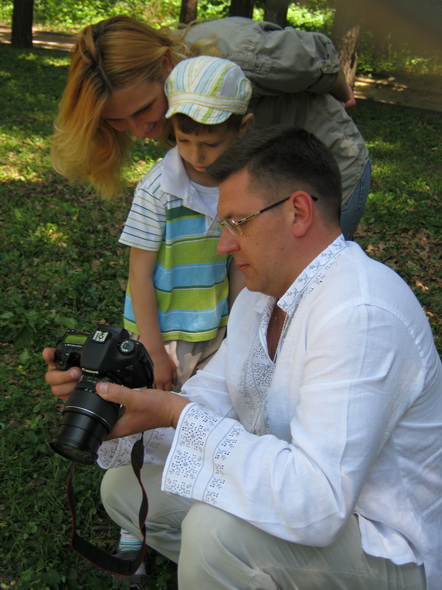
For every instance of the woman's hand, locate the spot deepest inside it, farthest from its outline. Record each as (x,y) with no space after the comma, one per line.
(62,382)
(350,104)
(144,409)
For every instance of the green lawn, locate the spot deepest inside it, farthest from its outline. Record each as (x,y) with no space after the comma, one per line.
(62,268)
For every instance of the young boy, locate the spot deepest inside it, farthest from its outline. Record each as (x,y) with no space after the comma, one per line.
(177,300)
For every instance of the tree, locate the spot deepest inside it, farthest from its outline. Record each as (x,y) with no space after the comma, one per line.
(275,11)
(22,16)
(241,8)
(345,35)
(417,25)
(188,11)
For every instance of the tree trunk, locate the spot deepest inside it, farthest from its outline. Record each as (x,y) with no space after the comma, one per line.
(242,8)
(22,16)
(188,11)
(275,11)
(345,35)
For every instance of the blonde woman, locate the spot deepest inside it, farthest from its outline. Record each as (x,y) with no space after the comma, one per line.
(116,88)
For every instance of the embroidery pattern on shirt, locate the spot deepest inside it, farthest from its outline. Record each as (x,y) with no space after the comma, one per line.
(222,453)
(311,277)
(254,385)
(187,460)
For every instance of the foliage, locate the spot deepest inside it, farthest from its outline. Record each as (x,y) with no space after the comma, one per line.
(311,17)
(373,61)
(72,14)
(63,268)
(210,9)
(373,58)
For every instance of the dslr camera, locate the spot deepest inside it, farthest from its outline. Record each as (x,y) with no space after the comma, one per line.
(108,354)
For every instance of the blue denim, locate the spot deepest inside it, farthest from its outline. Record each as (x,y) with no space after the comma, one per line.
(353,209)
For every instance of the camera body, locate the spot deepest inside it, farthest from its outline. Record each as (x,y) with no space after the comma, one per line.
(108,354)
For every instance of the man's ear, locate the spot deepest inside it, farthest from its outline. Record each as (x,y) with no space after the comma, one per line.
(245,124)
(302,209)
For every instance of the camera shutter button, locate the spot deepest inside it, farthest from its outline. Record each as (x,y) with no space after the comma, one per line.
(127,346)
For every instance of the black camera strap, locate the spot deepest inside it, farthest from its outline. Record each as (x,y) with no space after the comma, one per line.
(98,557)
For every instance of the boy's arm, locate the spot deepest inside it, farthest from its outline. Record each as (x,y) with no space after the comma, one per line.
(142,265)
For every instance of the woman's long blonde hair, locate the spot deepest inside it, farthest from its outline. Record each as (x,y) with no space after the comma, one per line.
(115,53)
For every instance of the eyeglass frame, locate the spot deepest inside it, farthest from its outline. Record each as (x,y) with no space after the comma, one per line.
(234,227)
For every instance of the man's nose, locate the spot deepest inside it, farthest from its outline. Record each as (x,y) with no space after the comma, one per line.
(227,242)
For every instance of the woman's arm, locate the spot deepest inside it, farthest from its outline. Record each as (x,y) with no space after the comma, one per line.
(342,92)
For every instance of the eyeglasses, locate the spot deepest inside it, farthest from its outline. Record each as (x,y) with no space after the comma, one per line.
(234,227)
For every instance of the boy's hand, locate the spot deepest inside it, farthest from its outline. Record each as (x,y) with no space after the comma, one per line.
(62,382)
(165,371)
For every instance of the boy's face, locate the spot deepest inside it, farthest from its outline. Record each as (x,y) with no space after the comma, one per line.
(199,150)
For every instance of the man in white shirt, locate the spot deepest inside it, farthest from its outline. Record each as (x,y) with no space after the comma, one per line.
(307,453)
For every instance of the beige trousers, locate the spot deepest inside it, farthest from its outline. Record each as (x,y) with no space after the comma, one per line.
(218,551)
(191,356)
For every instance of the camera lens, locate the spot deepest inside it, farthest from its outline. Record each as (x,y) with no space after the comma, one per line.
(87,418)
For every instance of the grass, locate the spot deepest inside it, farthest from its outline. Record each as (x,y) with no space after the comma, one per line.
(63,268)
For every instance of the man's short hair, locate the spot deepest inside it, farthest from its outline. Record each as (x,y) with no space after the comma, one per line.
(283,159)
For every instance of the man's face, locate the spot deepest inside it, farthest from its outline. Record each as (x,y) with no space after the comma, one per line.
(263,251)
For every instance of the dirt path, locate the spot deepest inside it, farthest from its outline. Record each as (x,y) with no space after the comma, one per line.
(416,91)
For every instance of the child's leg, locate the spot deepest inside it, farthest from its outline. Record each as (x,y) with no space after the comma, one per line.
(191,356)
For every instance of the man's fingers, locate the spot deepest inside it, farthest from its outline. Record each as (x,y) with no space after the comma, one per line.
(48,356)
(55,378)
(112,392)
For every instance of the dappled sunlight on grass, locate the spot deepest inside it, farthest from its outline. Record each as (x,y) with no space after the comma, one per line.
(62,268)
(402,223)
(51,233)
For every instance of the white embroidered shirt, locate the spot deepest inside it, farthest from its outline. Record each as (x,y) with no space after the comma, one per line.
(347,420)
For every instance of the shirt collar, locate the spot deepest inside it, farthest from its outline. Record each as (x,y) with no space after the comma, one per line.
(176,182)
(311,276)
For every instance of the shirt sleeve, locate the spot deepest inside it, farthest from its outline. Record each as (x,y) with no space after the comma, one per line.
(144,227)
(275,60)
(207,383)
(117,452)
(304,489)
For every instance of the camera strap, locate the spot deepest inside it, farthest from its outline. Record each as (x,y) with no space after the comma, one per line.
(98,557)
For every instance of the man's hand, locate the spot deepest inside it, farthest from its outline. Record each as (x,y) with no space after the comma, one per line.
(143,409)
(62,382)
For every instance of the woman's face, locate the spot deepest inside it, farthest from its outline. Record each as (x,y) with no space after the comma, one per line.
(140,108)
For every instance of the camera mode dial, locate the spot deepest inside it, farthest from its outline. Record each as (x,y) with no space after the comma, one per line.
(126,346)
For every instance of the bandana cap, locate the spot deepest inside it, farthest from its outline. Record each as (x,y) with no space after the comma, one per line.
(207,89)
